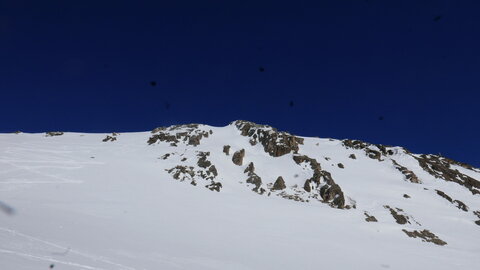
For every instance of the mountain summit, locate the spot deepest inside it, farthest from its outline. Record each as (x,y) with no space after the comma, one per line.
(244,196)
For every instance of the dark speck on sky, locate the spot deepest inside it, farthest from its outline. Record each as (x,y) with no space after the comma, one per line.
(66,65)
(153,83)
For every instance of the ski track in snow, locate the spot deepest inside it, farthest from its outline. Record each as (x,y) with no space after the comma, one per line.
(50,260)
(67,250)
(60,180)
(56,159)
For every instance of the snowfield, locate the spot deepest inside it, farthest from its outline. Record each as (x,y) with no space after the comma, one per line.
(83,203)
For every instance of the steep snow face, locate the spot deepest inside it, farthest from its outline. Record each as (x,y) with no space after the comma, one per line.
(244,196)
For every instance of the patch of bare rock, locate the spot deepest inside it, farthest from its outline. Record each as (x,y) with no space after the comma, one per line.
(477,213)
(226,149)
(206,171)
(275,143)
(53,133)
(238,156)
(189,134)
(440,167)
(426,236)
(409,175)
(254,179)
(459,204)
(279,184)
(373,151)
(369,218)
(322,183)
(182,173)
(110,138)
(399,215)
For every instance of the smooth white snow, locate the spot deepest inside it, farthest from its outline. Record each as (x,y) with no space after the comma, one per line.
(81,203)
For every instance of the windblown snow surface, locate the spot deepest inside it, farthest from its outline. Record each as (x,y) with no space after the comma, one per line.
(78,202)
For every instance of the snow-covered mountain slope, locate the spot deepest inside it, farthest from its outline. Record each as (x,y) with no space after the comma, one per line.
(244,196)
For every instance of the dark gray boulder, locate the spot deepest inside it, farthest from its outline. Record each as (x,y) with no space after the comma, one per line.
(238,157)
(226,149)
(250,169)
(279,184)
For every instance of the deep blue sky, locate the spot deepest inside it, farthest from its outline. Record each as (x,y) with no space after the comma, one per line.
(331,68)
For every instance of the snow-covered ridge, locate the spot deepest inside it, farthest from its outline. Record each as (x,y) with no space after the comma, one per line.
(196,183)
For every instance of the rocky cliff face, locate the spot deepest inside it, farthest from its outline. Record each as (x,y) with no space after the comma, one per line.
(441,167)
(319,186)
(186,134)
(274,142)
(291,169)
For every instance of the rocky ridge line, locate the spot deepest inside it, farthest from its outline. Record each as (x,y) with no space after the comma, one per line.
(440,167)
(274,142)
(188,134)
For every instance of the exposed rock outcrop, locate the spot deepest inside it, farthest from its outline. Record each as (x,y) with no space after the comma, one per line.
(205,171)
(189,134)
(370,218)
(110,138)
(461,164)
(333,194)
(307,186)
(398,216)
(317,170)
(274,142)
(226,149)
(214,186)
(257,181)
(477,213)
(294,197)
(250,169)
(203,162)
(208,171)
(459,204)
(426,236)
(253,178)
(182,173)
(320,185)
(440,167)
(279,184)
(328,190)
(409,175)
(373,151)
(53,133)
(238,157)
